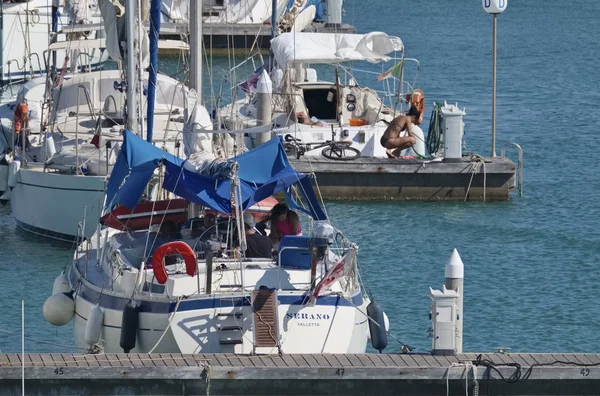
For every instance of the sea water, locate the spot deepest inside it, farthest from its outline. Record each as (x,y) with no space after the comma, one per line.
(532,264)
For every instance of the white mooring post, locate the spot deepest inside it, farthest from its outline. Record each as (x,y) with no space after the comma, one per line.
(455,271)
(264,88)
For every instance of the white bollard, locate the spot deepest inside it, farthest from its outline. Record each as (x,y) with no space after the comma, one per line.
(455,271)
(264,89)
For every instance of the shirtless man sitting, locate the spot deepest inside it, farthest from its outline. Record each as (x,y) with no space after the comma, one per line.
(391,139)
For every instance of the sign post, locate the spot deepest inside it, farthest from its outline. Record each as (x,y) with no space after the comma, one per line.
(494,7)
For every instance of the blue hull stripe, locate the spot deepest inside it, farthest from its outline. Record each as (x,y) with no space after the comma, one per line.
(108,301)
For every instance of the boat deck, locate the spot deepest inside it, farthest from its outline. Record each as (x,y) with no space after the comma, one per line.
(364,374)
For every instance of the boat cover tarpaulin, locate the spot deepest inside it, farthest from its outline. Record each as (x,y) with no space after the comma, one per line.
(289,48)
(263,172)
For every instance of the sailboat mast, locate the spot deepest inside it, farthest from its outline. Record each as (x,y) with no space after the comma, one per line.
(154,34)
(273,32)
(195,28)
(132,112)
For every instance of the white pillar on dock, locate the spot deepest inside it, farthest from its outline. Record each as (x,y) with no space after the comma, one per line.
(264,89)
(455,271)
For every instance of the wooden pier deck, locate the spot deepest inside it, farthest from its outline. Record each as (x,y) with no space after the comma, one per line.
(350,374)
(412,179)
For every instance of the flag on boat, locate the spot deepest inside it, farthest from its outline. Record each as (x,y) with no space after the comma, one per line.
(393,71)
(336,272)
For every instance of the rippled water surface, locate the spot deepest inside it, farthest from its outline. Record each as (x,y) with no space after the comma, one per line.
(532,266)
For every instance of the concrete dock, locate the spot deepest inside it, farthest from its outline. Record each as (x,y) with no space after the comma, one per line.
(412,179)
(350,374)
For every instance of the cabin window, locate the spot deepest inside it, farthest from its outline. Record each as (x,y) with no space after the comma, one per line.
(321,103)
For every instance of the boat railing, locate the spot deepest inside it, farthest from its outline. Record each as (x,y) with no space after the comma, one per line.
(392,87)
(519,164)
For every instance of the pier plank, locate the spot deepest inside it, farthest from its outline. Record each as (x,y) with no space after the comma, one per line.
(386,359)
(354,360)
(558,360)
(310,360)
(429,361)
(278,361)
(322,362)
(401,360)
(34,359)
(13,359)
(332,360)
(4,360)
(443,361)
(421,362)
(300,361)
(136,360)
(344,362)
(70,360)
(268,361)
(376,359)
(114,361)
(364,359)
(593,358)
(92,360)
(57,358)
(289,361)
(518,358)
(167,359)
(543,358)
(407,359)
(103,360)
(235,360)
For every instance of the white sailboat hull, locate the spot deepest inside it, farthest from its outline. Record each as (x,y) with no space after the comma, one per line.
(332,328)
(53,204)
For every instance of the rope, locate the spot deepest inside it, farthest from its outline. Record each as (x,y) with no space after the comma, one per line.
(404,346)
(476,158)
(168,324)
(469,366)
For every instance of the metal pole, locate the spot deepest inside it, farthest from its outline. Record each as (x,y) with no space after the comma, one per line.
(132,112)
(196,47)
(273,32)
(494,87)
(23,346)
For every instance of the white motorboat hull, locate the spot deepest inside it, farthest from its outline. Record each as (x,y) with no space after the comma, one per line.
(53,204)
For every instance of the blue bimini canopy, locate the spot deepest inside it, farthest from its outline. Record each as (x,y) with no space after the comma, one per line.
(262,172)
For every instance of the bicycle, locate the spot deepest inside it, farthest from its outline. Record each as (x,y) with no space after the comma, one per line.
(339,150)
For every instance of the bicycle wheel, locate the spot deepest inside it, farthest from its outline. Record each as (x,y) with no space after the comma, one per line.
(340,152)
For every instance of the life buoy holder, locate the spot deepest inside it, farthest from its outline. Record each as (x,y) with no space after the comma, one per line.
(158,259)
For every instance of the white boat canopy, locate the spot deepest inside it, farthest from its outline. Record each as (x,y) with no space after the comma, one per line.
(290,48)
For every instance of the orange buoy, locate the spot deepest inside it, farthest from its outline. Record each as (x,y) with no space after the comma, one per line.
(158,259)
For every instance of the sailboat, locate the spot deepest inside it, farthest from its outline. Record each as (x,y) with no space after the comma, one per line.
(24,36)
(310,110)
(194,295)
(63,182)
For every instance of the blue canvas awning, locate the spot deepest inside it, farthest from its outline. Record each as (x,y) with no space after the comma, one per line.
(263,172)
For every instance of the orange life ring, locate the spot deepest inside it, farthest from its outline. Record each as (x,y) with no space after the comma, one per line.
(158,259)
(417,99)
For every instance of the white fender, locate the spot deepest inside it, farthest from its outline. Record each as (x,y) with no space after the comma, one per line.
(93,327)
(61,284)
(13,171)
(59,309)
(4,176)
